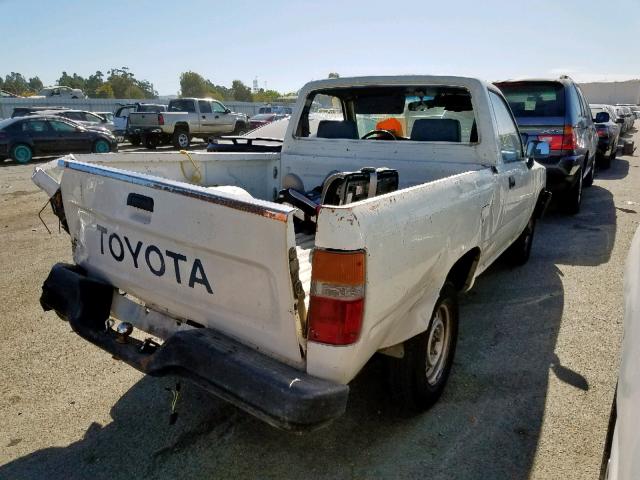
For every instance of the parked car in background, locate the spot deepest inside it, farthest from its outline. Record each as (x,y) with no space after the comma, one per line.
(277,109)
(5,94)
(620,460)
(22,111)
(87,119)
(23,138)
(263,118)
(187,118)
(628,116)
(60,91)
(108,116)
(608,134)
(121,119)
(555,111)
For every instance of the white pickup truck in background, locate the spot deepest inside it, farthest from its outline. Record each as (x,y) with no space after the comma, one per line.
(271,278)
(184,119)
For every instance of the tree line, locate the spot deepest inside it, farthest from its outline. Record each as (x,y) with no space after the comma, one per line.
(122,83)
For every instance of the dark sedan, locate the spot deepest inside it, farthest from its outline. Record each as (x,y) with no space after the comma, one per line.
(262,119)
(23,138)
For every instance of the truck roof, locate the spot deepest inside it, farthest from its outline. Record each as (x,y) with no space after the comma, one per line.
(391,80)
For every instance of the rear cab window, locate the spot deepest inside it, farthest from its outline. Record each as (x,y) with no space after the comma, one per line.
(182,106)
(534,99)
(412,113)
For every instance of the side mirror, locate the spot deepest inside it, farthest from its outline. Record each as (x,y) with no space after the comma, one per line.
(537,150)
(226,110)
(602,117)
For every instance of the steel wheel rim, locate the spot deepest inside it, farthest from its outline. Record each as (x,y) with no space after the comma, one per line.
(102,146)
(438,343)
(183,140)
(22,154)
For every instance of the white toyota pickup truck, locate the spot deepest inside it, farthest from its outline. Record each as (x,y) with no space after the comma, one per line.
(271,278)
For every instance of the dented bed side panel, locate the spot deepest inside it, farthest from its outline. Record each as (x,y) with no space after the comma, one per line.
(412,238)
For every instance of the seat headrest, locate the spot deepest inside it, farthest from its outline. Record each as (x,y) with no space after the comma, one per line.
(337,129)
(436,130)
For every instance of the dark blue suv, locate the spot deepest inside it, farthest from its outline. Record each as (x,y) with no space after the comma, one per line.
(556,111)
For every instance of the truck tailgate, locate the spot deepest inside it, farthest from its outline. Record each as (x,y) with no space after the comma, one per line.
(216,259)
(143,119)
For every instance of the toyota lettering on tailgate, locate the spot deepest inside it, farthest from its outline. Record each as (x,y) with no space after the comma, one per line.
(151,256)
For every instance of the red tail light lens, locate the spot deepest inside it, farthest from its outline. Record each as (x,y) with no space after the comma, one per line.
(160,119)
(336,305)
(602,132)
(570,140)
(554,141)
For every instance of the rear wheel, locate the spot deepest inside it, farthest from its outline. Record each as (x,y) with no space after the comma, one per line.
(574,195)
(101,146)
(418,378)
(151,142)
(588,181)
(520,250)
(241,129)
(181,138)
(135,140)
(22,153)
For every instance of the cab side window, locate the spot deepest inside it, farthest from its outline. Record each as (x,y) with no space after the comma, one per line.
(508,137)
(204,106)
(218,107)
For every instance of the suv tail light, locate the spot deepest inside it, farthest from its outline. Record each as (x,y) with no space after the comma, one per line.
(602,132)
(565,141)
(336,305)
(569,138)
(160,119)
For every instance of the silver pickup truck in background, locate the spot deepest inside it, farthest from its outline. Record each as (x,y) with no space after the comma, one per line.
(184,119)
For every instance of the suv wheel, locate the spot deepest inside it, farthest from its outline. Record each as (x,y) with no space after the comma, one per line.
(574,195)
(592,173)
(240,129)
(520,250)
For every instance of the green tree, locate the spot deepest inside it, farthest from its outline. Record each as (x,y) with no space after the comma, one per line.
(16,84)
(266,96)
(125,85)
(93,83)
(73,81)
(241,92)
(334,75)
(104,91)
(35,84)
(193,84)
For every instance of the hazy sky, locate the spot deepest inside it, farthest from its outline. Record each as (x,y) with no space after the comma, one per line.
(287,43)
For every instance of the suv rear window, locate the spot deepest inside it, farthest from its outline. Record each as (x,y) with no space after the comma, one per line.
(535,99)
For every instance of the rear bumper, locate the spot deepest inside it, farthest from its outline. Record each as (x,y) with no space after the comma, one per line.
(562,172)
(270,390)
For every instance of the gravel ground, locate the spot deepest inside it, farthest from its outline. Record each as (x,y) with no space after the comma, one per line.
(529,395)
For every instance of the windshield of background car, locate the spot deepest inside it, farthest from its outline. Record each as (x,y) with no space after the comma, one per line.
(596,110)
(419,113)
(535,99)
(182,106)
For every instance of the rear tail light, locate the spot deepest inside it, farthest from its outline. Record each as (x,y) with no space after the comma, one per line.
(336,305)
(160,119)
(565,141)
(602,132)
(569,140)
(554,141)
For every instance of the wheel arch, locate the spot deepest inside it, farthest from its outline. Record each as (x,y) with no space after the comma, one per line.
(181,126)
(462,273)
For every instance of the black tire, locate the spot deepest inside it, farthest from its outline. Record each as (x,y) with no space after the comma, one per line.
(151,142)
(21,153)
(240,129)
(520,250)
(588,181)
(181,138)
(414,387)
(605,161)
(573,197)
(135,140)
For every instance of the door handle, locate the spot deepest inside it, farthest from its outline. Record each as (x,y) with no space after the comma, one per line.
(140,201)
(203,116)
(217,116)
(512,182)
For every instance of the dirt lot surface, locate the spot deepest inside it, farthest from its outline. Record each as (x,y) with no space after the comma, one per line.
(529,394)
